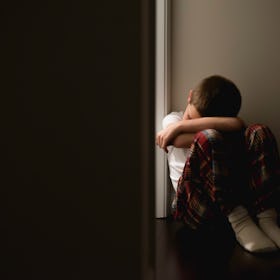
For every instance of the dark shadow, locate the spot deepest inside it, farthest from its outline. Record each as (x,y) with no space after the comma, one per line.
(208,253)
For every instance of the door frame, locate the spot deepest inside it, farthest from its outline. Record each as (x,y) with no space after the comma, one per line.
(162,100)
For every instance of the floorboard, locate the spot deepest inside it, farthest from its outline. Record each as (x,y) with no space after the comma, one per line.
(182,254)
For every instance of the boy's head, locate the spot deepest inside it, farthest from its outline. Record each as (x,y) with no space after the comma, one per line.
(215,96)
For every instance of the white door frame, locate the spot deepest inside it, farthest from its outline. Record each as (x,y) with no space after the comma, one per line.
(162,100)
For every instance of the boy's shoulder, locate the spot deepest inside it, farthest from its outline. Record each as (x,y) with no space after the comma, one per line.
(172,118)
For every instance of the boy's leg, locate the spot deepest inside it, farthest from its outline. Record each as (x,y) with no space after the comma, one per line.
(264,167)
(264,164)
(204,188)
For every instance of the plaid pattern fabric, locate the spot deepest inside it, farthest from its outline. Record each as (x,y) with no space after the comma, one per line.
(224,170)
(264,167)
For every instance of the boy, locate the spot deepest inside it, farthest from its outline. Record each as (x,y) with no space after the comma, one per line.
(217,165)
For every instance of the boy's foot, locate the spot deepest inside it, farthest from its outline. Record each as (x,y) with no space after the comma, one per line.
(268,223)
(248,234)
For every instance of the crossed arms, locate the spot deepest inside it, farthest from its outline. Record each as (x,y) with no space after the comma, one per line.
(180,134)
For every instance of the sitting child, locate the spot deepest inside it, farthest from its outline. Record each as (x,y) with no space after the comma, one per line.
(220,166)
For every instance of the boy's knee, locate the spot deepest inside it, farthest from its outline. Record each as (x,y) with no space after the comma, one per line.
(206,143)
(260,131)
(208,135)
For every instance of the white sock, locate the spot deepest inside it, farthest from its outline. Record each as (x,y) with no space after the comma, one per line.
(248,234)
(268,223)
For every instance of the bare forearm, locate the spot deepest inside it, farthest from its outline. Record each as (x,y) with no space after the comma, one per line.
(183,140)
(218,123)
(172,135)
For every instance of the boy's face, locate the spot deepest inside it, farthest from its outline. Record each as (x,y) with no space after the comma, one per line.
(190,112)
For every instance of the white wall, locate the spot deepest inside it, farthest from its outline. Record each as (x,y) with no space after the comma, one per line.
(235,38)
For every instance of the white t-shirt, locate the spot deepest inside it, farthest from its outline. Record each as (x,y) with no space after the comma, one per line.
(176,156)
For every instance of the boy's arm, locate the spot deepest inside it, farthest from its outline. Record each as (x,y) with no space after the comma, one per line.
(183,140)
(218,123)
(169,135)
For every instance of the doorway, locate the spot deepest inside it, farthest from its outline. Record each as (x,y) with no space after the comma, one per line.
(162,101)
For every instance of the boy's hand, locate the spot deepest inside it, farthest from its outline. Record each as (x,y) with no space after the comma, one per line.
(166,136)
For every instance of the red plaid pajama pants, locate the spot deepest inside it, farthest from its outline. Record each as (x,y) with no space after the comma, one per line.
(225,170)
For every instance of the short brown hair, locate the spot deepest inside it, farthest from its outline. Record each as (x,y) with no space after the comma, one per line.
(216,96)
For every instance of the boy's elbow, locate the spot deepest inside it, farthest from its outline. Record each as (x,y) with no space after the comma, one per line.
(239,123)
(182,141)
(177,143)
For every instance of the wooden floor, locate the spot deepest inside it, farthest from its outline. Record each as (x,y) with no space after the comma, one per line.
(183,254)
